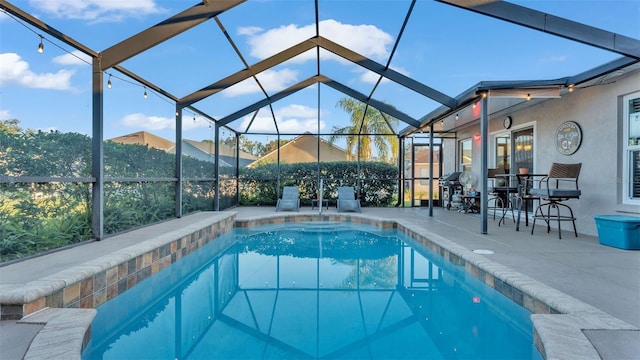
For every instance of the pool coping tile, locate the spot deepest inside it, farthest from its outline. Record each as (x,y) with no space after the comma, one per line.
(558,319)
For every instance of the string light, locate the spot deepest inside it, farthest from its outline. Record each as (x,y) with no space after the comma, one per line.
(41,45)
(145,92)
(109,82)
(457,117)
(528,97)
(571,88)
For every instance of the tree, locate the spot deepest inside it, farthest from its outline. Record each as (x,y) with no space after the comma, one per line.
(373,125)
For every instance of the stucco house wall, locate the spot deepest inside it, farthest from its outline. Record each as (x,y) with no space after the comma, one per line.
(597,109)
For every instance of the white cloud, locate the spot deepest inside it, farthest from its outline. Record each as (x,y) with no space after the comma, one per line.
(366,40)
(142,121)
(296,111)
(291,119)
(197,122)
(15,70)
(271,80)
(101,10)
(74,58)
(5,114)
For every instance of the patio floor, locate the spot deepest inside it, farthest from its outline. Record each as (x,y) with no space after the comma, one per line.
(604,277)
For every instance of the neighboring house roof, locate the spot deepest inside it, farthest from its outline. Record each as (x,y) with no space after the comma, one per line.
(201,150)
(422,156)
(225,150)
(145,138)
(304,148)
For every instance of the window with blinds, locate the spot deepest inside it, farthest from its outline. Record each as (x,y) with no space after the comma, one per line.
(632,148)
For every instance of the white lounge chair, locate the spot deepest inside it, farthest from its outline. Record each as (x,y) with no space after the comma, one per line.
(347,199)
(290,199)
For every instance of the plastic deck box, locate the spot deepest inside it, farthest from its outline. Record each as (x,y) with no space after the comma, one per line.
(621,231)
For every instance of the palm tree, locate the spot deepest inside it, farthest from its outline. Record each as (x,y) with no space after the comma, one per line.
(373,124)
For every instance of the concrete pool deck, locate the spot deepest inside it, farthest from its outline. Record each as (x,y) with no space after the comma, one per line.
(606,278)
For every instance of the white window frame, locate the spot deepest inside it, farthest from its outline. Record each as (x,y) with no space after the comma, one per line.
(627,149)
(462,164)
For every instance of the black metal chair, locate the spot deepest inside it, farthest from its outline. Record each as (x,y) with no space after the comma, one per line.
(560,185)
(500,194)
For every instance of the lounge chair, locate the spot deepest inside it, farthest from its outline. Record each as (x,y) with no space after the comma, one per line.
(347,199)
(290,199)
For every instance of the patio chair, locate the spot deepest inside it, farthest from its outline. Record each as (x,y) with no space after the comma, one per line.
(560,185)
(347,199)
(500,194)
(290,199)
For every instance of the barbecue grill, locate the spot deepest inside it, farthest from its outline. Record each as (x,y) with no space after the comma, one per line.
(449,183)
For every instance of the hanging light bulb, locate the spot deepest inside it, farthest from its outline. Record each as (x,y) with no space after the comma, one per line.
(109,82)
(457,117)
(41,46)
(571,88)
(528,97)
(145,92)
(474,105)
(194,118)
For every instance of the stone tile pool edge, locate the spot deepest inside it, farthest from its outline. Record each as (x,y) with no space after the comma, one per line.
(558,318)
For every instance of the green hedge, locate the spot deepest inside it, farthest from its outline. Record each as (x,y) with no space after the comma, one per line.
(375,182)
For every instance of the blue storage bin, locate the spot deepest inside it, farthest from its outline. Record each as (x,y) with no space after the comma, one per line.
(621,231)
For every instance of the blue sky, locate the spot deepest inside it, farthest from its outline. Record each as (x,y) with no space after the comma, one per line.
(446,48)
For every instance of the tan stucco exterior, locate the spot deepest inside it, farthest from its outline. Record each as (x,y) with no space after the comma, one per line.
(598,111)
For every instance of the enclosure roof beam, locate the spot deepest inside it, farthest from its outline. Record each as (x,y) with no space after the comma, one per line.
(264,102)
(329,82)
(247,73)
(163,31)
(386,72)
(329,46)
(388,109)
(551,24)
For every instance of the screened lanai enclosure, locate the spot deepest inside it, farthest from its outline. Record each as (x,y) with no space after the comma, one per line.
(218,104)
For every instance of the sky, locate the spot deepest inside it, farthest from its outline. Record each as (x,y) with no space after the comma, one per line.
(446,48)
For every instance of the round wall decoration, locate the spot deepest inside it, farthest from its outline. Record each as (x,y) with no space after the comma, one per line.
(507,122)
(568,137)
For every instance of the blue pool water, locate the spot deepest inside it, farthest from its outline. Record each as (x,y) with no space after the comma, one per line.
(312,290)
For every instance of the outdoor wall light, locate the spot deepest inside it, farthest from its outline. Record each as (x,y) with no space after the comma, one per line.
(41,45)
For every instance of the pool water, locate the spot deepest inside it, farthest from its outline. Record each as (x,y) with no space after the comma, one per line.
(312,290)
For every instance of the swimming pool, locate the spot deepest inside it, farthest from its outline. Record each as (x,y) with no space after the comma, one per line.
(312,290)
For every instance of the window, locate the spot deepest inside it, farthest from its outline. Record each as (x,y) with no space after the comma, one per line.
(631,174)
(503,151)
(465,155)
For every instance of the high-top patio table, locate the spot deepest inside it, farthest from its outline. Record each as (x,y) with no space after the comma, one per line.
(525,182)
